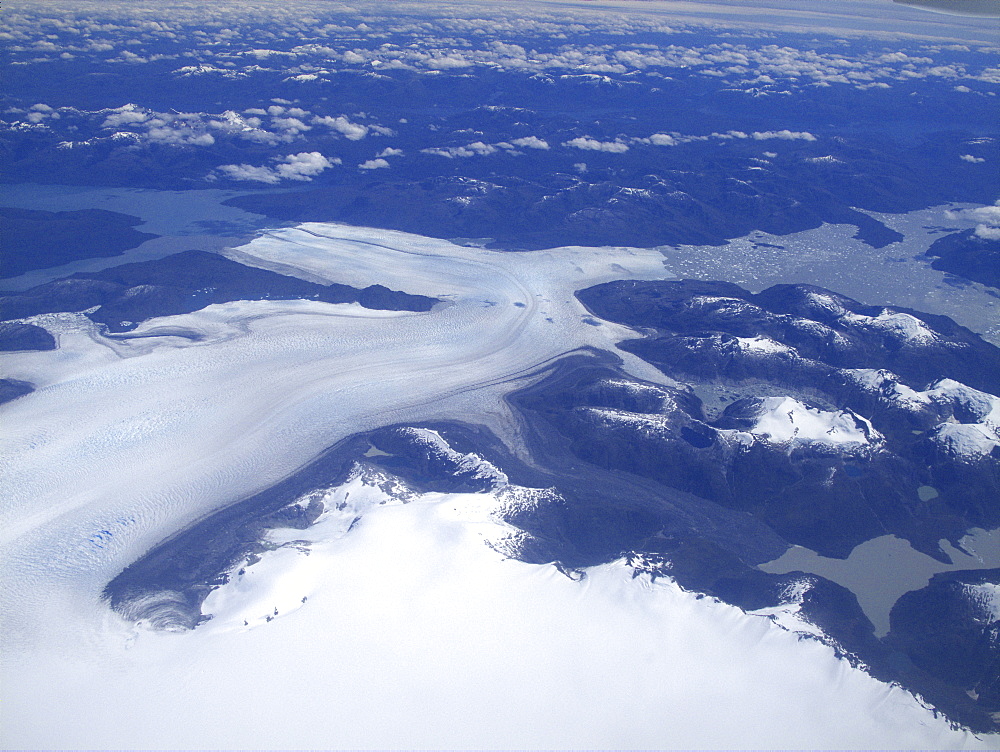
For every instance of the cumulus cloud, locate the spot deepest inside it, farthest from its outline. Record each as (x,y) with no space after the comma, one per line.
(342,125)
(289,125)
(373,164)
(475,149)
(198,128)
(302,166)
(125,115)
(530,142)
(784,135)
(249,173)
(987,220)
(592,144)
(663,139)
(179,136)
(390,152)
(971,158)
(200,70)
(987,214)
(233,43)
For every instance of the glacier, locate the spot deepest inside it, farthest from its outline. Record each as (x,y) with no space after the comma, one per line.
(411,628)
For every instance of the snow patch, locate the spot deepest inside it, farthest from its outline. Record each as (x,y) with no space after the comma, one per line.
(469,463)
(650,424)
(761,345)
(967,441)
(978,434)
(825,302)
(887,385)
(901,326)
(786,420)
(972,428)
(788,613)
(987,597)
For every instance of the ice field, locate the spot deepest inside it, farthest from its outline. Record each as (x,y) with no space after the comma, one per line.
(414,632)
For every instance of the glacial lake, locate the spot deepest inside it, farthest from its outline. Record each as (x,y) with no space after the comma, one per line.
(184,220)
(882,569)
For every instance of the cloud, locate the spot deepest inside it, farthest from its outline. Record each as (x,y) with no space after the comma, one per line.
(475,149)
(302,166)
(126,115)
(198,128)
(249,173)
(390,152)
(200,70)
(592,144)
(290,125)
(232,43)
(179,136)
(342,125)
(784,135)
(530,142)
(373,164)
(986,217)
(662,139)
(971,158)
(987,214)
(446,62)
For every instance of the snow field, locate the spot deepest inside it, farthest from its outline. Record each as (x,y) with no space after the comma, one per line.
(417,635)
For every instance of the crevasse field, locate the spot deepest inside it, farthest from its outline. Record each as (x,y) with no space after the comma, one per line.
(397,625)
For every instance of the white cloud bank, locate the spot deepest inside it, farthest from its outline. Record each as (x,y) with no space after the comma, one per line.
(343,125)
(531,142)
(303,166)
(783,135)
(987,219)
(475,149)
(592,144)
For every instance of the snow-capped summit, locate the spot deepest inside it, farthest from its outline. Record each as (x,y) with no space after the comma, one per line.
(786,420)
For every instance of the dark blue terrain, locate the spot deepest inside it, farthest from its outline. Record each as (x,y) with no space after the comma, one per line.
(127,295)
(966,254)
(43,239)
